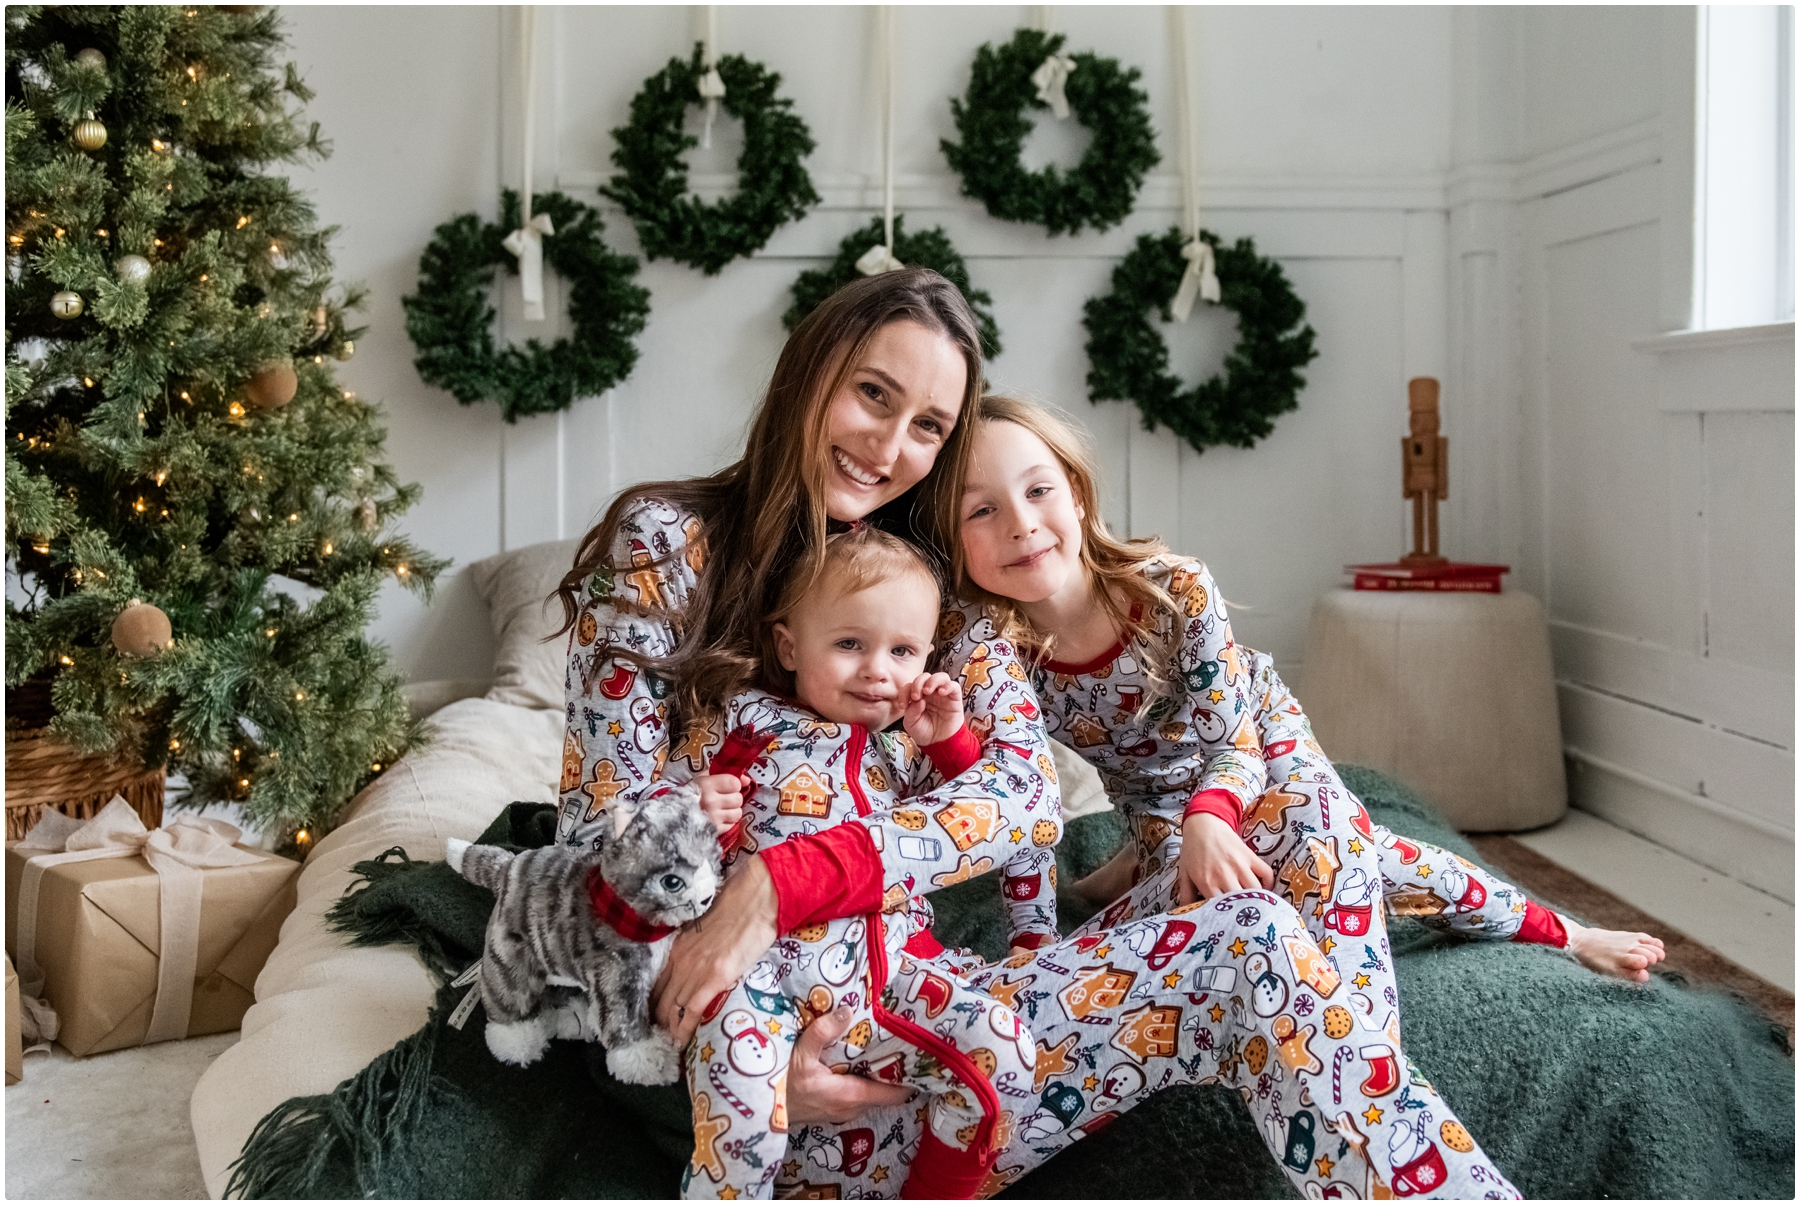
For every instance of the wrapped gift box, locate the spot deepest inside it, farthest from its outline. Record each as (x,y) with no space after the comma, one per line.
(98,943)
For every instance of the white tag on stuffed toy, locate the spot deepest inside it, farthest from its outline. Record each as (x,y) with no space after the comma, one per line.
(461,1015)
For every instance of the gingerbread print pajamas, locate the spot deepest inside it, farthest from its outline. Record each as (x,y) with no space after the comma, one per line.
(911,1024)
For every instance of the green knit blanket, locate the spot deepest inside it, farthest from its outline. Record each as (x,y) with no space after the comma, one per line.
(1577,1086)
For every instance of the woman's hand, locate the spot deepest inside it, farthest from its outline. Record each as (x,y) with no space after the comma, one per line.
(815,1093)
(1215,860)
(1112,880)
(722,799)
(934,709)
(711,954)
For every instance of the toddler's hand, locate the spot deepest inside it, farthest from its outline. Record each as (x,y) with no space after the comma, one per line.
(1214,860)
(722,799)
(934,708)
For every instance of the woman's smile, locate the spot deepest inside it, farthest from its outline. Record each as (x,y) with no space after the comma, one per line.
(856,470)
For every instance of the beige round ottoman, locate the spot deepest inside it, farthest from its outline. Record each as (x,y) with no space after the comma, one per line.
(1449,693)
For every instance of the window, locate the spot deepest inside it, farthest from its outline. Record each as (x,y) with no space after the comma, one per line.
(1744,194)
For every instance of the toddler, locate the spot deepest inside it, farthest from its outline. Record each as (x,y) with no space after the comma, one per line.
(845,658)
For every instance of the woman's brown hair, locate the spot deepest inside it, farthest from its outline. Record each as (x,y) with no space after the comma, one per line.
(1117,566)
(764,516)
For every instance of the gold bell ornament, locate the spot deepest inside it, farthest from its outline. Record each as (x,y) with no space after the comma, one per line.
(142,630)
(67,305)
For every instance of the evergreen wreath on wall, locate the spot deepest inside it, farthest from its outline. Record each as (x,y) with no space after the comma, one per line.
(773,186)
(990,119)
(450,319)
(1261,379)
(927,249)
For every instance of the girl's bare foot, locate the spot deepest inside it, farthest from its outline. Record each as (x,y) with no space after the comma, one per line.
(1614,952)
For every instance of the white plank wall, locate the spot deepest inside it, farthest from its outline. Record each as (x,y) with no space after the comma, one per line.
(1499,197)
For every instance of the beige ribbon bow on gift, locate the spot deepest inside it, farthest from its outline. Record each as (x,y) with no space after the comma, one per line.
(178,852)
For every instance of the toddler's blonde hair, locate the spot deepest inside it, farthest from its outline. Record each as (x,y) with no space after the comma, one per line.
(848,563)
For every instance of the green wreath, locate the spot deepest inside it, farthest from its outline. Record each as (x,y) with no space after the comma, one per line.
(991,120)
(927,249)
(451,322)
(1261,380)
(773,187)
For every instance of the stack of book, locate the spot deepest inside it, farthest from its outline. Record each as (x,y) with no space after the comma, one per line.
(1444,576)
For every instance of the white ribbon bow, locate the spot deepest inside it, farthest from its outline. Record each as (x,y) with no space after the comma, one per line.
(527,243)
(177,852)
(1200,279)
(712,91)
(1050,77)
(876,260)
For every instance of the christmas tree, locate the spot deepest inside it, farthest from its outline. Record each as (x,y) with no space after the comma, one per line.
(197,517)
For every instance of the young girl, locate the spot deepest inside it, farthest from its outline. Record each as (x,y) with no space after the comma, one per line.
(1198,743)
(845,657)
(1195,736)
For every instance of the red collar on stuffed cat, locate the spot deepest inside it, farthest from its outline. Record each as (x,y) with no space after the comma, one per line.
(619,916)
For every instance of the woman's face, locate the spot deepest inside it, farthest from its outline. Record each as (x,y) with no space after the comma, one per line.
(886,424)
(1021,521)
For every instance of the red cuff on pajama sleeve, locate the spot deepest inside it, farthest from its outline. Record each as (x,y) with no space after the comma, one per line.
(1217,802)
(1542,927)
(824,876)
(954,754)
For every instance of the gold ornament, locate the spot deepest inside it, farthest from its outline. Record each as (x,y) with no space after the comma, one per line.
(90,135)
(273,386)
(132,268)
(92,59)
(321,323)
(67,305)
(344,350)
(142,630)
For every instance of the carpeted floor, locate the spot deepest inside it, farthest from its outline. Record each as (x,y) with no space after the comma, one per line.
(1562,888)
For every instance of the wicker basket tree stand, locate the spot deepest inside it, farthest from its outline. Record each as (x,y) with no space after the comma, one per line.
(44,771)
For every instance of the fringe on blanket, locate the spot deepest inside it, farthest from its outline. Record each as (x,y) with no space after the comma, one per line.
(302,1148)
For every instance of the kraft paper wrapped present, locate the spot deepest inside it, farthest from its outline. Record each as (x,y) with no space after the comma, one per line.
(15,1038)
(136,935)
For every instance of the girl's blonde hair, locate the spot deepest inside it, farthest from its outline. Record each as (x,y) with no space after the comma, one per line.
(1119,567)
(849,563)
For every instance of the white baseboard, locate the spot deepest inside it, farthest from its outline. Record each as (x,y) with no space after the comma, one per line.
(1758,857)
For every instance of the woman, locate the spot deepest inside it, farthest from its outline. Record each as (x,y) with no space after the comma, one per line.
(861,421)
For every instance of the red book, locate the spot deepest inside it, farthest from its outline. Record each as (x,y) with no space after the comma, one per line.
(1442,576)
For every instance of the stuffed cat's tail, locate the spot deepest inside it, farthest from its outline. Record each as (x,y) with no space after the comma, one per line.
(482,865)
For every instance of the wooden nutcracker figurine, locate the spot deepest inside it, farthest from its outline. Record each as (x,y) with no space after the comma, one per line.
(1425,469)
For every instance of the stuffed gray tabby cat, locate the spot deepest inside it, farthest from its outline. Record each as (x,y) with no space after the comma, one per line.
(659,869)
